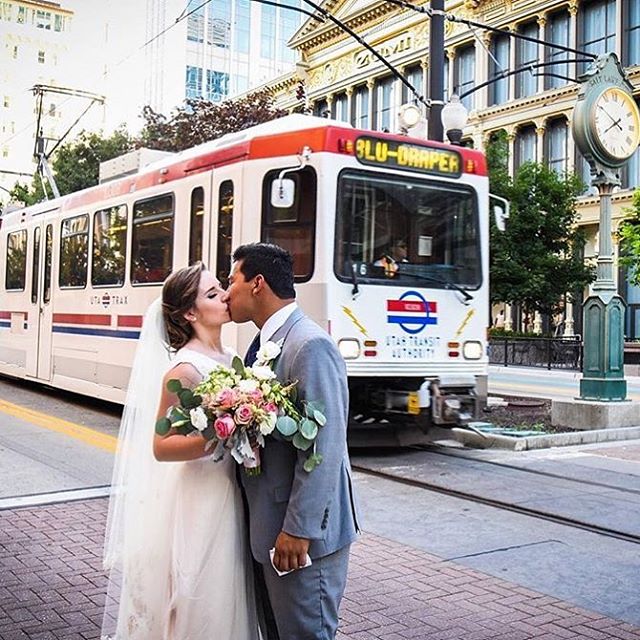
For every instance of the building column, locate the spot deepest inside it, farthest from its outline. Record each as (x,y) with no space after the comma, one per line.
(537,322)
(371,84)
(542,23)
(573,35)
(450,53)
(508,323)
(481,97)
(512,62)
(540,143)
(569,330)
(329,99)
(511,141)
(349,93)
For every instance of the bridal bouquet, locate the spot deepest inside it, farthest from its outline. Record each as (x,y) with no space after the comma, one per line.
(235,407)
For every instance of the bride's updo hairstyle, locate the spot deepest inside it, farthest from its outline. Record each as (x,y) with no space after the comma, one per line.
(178,296)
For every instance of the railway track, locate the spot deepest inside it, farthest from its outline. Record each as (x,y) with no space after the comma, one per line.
(504,505)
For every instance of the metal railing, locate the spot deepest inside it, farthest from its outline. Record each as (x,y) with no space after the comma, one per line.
(548,353)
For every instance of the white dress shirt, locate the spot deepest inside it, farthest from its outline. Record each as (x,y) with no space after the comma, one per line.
(276,321)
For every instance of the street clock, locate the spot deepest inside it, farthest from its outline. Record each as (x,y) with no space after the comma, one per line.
(606,119)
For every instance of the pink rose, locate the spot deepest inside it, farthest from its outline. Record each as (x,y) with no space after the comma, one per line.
(256,396)
(271,407)
(226,398)
(224,426)
(244,414)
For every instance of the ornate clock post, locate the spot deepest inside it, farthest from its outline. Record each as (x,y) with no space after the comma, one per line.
(606,129)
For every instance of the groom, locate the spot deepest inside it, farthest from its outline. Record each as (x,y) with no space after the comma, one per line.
(291,510)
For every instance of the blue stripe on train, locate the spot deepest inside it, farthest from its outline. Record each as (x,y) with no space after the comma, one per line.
(107,333)
(6,324)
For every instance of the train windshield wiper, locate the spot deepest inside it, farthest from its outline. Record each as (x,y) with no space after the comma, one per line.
(447,283)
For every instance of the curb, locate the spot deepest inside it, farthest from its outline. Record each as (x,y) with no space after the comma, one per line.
(528,443)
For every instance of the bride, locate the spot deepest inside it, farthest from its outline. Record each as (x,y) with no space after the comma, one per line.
(176,544)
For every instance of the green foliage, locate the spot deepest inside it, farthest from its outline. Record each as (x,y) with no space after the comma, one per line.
(200,121)
(629,238)
(76,164)
(538,258)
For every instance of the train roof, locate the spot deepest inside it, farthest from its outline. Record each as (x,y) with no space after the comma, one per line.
(281,137)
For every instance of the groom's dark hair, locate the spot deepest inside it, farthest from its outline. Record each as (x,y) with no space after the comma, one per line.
(272,262)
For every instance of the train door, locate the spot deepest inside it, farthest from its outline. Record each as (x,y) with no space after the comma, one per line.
(224,237)
(41,297)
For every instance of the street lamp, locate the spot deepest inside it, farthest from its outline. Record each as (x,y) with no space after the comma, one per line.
(454,119)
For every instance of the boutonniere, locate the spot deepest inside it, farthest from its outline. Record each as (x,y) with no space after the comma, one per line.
(269,351)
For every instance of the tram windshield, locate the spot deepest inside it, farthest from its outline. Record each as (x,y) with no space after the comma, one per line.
(408,232)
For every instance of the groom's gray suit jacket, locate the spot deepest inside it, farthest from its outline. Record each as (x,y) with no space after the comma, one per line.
(319,505)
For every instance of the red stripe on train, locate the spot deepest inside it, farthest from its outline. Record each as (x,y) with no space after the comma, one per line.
(410,305)
(6,315)
(82,318)
(129,321)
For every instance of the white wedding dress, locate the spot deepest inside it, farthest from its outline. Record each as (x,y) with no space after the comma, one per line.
(176,543)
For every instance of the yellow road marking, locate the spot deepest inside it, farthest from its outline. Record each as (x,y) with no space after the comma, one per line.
(84,434)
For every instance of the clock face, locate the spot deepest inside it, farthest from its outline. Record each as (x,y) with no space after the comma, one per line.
(616,123)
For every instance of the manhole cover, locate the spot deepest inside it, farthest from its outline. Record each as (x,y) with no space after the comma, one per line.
(526,403)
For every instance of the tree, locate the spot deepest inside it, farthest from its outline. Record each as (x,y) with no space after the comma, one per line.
(76,164)
(538,258)
(629,239)
(200,121)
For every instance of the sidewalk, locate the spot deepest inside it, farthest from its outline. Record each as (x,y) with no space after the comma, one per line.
(52,587)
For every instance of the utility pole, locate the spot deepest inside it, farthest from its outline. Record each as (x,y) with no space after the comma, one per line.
(436,71)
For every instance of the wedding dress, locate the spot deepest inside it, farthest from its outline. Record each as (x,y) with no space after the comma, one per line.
(176,544)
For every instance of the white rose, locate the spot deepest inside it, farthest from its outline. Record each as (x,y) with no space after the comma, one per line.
(268,424)
(263,372)
(198,418)
(267,352)
(248,386)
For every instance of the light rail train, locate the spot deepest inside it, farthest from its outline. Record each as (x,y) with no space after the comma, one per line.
(77,273)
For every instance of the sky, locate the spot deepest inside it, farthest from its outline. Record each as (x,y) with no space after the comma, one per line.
(109,37)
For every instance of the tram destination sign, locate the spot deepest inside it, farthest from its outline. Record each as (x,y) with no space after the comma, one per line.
(408,156)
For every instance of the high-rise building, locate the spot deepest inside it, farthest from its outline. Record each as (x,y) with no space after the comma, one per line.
(215,50)
(37,47)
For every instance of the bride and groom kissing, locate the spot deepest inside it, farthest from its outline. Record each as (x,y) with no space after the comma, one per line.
(189,540)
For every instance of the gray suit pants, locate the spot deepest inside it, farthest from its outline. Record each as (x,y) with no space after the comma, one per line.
(305,602)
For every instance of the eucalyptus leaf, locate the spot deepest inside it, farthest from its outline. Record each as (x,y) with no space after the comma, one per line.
(186,397)
(312,462)
(308,429)
(300,442)
(237,365)
(174,386)
(318,416)
(163,425)
(286,426)
(183,429)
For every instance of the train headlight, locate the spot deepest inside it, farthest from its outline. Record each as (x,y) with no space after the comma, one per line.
(472,350)
(349,348)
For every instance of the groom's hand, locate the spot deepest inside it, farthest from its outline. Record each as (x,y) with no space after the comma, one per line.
(290,553)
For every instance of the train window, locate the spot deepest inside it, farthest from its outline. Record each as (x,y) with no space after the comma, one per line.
(225,229)
(16,261)
(109,246)
(48,254)
(152,243)
(196,225)
(293,227)
(74,252)
(35,264)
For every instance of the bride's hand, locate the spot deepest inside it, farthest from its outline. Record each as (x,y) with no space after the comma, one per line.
(290,552)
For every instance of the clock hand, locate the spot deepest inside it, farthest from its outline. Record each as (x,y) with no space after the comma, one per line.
(616,123)
(606,113)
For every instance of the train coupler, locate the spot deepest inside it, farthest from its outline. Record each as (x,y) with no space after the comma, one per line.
(453,400)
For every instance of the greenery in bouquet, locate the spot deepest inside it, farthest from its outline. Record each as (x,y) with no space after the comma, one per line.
(236,407)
